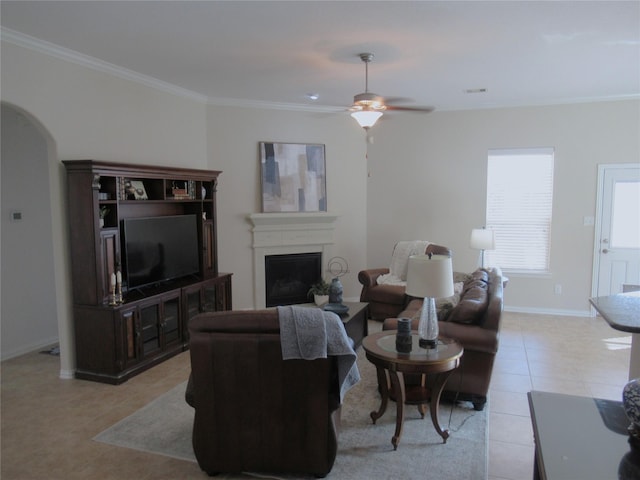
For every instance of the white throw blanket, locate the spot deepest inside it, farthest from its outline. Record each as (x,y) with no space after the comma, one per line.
(400,262)
(309,333)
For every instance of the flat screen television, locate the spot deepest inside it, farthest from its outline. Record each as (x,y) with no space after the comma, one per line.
(159,249)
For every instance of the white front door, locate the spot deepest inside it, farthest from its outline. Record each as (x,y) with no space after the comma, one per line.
(617,236)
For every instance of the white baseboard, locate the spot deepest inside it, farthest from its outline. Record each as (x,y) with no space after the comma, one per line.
(67,374)
(16,352)
(549,311)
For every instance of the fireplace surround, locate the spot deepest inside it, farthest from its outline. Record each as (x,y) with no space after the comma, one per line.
(289,277)
(287,233)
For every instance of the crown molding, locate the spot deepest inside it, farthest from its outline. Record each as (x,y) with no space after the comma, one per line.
(32,43)
(246,103)
(53,50)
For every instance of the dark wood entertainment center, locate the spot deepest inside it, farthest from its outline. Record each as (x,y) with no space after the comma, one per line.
(116,340)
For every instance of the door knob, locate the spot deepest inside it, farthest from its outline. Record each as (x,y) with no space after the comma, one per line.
(604,250)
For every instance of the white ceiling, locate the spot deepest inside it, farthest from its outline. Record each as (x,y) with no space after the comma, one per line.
(274,53)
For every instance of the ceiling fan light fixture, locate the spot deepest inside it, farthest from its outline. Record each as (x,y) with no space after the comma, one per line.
(369,100)
(366,118)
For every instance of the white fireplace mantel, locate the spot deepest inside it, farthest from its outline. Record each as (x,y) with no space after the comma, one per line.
(287,233)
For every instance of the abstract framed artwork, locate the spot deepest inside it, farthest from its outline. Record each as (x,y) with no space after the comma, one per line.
(293,177)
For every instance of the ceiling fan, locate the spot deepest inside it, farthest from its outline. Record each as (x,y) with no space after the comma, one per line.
(368,107)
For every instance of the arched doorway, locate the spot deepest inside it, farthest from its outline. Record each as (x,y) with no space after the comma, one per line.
(31,299)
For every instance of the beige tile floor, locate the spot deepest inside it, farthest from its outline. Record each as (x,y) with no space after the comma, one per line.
(47,424)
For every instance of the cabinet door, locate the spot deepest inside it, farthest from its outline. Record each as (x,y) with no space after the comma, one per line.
(210,296)
(192,304)
(209,257)
(224,293)
(217,294)
(131,345)
(109,252)
(150,326)
(171,327)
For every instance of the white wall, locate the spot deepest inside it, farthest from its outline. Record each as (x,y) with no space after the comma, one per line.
(428,181)
(29,318)
(234,134)
(90,114)
(427,171)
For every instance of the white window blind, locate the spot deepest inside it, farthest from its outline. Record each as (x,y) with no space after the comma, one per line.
(519,205)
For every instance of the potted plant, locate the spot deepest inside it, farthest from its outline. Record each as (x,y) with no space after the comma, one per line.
(103,213)
(320,292)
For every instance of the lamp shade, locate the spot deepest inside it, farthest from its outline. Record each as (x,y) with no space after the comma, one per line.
(430,277)
(482,239)
(366,118)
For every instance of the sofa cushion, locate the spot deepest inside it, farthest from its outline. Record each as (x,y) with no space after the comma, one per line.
(473,300)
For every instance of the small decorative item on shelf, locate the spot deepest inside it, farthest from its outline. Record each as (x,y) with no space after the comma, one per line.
(337,267)
(403,337)
(631,403)
(119,287)
(104,211)
(134,190)
(180,191)
(320,292)
(113,297)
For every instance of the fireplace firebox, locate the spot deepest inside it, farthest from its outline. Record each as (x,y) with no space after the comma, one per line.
(289,277)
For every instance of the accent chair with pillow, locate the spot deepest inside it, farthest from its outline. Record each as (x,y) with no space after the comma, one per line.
(256,411)
(384,288)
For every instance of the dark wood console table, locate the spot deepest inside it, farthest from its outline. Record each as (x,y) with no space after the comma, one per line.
(622,312)
(581,438)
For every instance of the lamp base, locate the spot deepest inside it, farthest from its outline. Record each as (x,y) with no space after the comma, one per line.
(428,326)
(424,343)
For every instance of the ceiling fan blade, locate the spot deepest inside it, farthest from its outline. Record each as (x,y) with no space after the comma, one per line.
(411,109)
(398,100)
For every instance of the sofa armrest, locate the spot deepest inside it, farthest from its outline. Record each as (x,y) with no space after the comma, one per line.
(472,337)
(493,314)
(368,277)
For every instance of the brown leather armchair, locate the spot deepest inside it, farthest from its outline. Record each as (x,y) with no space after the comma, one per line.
(255,411)
(388,300)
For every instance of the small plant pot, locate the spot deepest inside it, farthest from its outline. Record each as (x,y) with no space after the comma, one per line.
(320,299)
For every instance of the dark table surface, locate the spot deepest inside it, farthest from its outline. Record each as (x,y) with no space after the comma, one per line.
(621,311)
(582,438)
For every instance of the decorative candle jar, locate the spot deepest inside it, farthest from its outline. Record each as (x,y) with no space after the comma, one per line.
(403,337)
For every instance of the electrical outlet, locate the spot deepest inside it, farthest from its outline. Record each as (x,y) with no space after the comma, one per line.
(557,289)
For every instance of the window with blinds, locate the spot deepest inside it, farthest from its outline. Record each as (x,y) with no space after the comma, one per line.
(519,205)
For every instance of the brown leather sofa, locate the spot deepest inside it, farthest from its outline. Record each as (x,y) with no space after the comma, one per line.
(475,322)
(254,411)
(388,300)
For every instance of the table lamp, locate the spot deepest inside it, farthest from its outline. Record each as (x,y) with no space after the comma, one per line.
(429,277)
(482,239)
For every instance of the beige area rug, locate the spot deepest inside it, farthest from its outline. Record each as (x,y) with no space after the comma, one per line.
(364,449)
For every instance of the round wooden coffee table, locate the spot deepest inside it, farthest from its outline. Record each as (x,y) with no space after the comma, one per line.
(381,350)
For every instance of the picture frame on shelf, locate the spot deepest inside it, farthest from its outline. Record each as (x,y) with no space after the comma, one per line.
(293,177)
(134,190)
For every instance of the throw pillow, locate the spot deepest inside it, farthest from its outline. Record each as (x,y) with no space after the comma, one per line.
(445,305)
(473,300)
